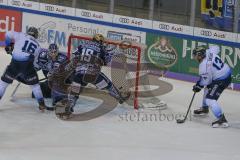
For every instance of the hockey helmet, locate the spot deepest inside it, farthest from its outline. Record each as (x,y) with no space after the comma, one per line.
(98,38)
(53,50)
(199,51)
(32,31)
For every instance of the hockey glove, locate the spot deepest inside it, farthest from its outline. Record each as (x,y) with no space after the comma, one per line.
(197,88)
(9,48)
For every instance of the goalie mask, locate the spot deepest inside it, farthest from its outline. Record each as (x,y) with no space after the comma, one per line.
(199,53)
(53,51)
(32,31)
(98,38)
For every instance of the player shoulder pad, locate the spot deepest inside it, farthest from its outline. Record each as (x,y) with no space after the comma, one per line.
(43,53)
(214,49)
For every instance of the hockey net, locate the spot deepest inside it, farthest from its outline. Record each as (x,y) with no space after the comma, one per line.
(124,69)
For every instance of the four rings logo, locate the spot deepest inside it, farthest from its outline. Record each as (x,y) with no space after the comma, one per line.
(49,8)
(16,3)
(86,14)
(164,26)
(206,33)
(124,20)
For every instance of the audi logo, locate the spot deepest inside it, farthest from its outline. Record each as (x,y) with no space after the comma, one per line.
(86,14)
(164,26)
(16,3)
(49,8)
(124,20)
(206,33)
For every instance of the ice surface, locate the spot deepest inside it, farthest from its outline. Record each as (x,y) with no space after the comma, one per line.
(26,134)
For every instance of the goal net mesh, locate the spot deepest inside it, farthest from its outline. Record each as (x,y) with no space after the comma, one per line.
(124,68)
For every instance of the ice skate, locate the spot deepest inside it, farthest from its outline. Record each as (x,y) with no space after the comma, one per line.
(42,106)
(220,123)
(203,111)
(124,98)
(63,109)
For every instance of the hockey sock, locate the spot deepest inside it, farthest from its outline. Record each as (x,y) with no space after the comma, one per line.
(3,86)
(37,92)
(113,91)
(204,97)
(72,99)
(216,109)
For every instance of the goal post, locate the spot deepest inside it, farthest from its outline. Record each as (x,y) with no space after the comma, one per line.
(126,59)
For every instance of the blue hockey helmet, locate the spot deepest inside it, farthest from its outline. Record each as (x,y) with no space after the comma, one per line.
(53,50)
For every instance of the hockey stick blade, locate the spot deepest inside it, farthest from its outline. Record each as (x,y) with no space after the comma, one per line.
(180,120)
(183,120)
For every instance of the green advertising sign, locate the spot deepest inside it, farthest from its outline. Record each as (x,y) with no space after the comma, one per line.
(175,54)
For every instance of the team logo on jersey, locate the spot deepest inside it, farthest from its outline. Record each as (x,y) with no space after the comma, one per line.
(162,54)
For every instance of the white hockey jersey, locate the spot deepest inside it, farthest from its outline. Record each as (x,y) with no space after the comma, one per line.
(24,45)
(212,68)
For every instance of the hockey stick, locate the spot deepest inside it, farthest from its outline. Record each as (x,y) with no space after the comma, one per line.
(15,90)
(183,120)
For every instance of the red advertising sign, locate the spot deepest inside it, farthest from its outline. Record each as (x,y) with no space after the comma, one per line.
(9,21)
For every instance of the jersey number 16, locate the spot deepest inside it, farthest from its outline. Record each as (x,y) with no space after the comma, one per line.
(29,47)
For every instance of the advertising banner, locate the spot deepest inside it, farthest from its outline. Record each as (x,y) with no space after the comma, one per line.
(57,30)
(100,16)
(57,9)
(136,22)
(9,21)
(24,4)
(214,34)
(173,28)
(175,54)
(3,2)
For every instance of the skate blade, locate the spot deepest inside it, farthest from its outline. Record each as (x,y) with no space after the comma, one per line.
(223,125)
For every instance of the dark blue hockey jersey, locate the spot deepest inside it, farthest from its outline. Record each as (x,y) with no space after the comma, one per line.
(90,49)
(44,63)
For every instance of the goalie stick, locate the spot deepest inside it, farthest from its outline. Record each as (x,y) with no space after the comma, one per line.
(183,120)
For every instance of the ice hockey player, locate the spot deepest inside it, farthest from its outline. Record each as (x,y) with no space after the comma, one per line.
(215,76)
(21,67)
(91,56)
(47,60)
